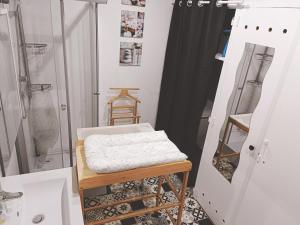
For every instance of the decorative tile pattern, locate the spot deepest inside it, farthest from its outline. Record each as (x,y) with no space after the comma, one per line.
(151,181)
(94,215)
(118,222)
(151,202)
(110,212)
(124,208)
(193,213)
(169,197)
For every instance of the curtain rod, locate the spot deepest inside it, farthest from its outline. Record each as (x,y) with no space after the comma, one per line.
(190,2)
(219,3)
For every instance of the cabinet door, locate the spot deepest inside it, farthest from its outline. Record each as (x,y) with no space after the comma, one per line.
(10,113)
(272,195)
(256,63)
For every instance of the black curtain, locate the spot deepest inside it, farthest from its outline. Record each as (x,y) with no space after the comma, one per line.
(192,44)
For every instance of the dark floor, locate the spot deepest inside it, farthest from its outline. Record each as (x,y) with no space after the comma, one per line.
(193,213)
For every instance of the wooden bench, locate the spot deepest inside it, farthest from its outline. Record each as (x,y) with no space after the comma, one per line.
(88,179)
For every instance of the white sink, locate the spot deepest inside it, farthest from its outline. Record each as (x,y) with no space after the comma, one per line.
(47,197)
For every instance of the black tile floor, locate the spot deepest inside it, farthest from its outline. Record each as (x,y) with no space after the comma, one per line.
(193,213)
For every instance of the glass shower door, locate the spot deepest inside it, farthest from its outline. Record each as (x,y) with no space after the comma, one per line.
(47,105)
(10,110)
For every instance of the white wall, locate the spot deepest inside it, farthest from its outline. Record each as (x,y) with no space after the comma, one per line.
(147,77)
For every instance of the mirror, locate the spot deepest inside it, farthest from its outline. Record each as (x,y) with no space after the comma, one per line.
(252,69)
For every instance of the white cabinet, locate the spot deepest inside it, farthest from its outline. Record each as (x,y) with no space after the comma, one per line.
(272,194)
(241,169)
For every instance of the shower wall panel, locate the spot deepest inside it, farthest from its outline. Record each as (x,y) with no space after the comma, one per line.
(10,108)
(47,127)
(44,120)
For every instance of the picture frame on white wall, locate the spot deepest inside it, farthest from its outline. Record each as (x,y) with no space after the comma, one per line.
(132,24)
(131,53)
(141,3)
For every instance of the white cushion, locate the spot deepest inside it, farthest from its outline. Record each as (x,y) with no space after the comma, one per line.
(114,153)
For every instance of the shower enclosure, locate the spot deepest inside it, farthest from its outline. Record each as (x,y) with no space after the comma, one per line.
(42,39)
(44,100)
(10,110)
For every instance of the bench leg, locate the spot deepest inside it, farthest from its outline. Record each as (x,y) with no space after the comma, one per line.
(142,187)
(81,200)
(160,181)
(182,197)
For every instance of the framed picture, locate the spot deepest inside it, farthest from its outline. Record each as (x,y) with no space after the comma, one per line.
(130,54)
(141,3)
(132,24)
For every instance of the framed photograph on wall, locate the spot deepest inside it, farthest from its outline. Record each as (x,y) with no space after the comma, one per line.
(141,3)
(132,24)
(130,53)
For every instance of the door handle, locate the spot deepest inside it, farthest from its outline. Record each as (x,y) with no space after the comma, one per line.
(261,154)
(97,93)
(251,147)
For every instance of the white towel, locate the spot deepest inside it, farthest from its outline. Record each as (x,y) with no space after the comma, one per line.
(113,153)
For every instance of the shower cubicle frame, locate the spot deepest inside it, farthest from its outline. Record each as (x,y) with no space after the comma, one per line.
(95,64)
(95,61)
(2,12)
(62,14)
(5,12)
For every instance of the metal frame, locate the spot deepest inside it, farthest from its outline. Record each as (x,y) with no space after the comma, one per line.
(96,88)
(95,51)
(62,13)
(5,126)
(21,152)
(1,157)
(21,33)
(95,80)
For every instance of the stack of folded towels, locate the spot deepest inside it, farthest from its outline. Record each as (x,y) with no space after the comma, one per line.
(114,153)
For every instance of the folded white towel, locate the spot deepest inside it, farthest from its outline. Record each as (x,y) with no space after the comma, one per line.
(96,140)
(113,153)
